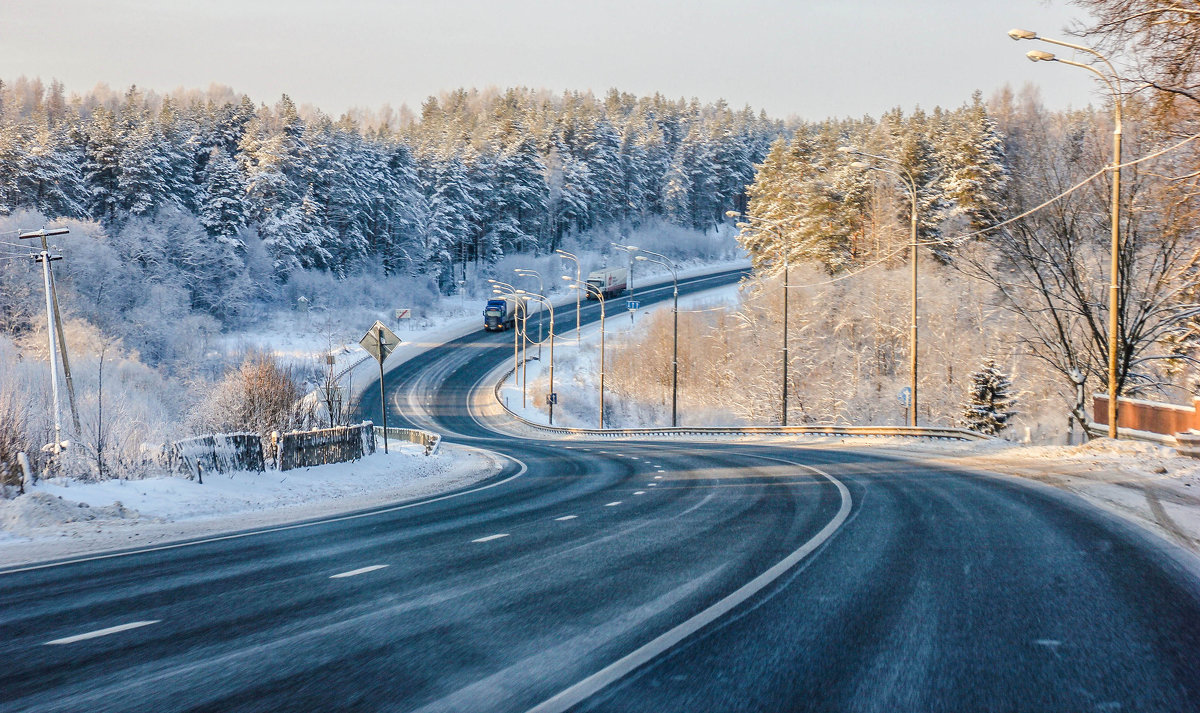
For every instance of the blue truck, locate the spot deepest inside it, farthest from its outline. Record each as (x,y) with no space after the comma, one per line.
(500,314)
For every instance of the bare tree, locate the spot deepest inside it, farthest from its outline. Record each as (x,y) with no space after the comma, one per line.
(1050,267)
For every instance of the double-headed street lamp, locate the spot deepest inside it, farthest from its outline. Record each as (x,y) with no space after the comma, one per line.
(592,289)
(550,307)
(629,250)
(503,288)
(783,248)
(666,262)
(521,272)
(1114,288)
(578,281)
(520,329)
(910,184)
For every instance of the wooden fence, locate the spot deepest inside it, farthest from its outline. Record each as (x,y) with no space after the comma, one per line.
(219,453)
(300,449)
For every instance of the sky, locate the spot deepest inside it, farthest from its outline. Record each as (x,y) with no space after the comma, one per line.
(804,58)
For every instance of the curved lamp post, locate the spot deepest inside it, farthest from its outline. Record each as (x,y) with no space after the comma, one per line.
(550,307)
(503,288)
(600,296)
(784,250)
(629,250)
(1114,287)
(541,293)
(578,281)
(910,184)
(666,262)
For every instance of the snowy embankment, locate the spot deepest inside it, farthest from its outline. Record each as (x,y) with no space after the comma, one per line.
(60,517)
(1146,483)
(577,369)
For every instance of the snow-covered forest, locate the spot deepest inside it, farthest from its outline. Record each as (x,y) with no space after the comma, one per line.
(1013,270)
(200,212)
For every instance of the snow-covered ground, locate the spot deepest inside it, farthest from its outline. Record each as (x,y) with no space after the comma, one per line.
(60,517)
(577,365)
(305,337)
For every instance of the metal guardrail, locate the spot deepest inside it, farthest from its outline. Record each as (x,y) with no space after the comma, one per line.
(429,439)
(942,433)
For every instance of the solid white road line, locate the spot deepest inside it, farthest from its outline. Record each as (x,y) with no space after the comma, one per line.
(625,665)
(565,518)
(237,536)
(102,632)
(615,502)
(489,538)
(360,570)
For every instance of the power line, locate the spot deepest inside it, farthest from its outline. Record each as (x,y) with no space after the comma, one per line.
(963,238)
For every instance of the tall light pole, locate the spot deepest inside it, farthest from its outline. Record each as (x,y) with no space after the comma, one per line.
(629,250)
(578,281)
(910,184)
(665,262)
(1114,286)
(503,288)
(783,249)
(550,307)
(600,296)
(542,293)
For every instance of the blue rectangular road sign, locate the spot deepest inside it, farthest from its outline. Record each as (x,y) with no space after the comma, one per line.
(633,304)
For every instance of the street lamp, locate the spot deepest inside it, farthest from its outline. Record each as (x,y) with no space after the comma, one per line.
(665,262)
(1114,287)
(783,248)
(578,280)
(542,292)
(630,250)
(503,288)
(550,307)
(910,184)
(600,296)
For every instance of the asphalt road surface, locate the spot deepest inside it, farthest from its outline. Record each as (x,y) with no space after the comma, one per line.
(608,575)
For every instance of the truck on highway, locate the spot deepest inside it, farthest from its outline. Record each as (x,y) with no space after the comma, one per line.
(500,314)
(611,281)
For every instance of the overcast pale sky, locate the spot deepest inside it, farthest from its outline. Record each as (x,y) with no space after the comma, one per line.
(811,58)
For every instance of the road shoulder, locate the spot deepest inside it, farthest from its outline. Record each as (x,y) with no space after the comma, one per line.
(53,524)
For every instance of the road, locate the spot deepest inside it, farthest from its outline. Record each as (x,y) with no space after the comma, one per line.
(628,576)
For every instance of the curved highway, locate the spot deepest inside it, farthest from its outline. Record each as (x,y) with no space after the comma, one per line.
(609,575)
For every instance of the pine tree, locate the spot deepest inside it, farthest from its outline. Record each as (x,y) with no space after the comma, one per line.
(101,172)
(222,199)
(990,401)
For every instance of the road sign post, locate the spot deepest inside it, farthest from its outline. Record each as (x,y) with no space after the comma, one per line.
(905,398)
(381,342)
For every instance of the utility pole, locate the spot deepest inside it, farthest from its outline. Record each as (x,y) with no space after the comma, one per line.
(55,337)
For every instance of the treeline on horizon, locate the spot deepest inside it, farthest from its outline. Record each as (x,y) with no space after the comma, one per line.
(476,176)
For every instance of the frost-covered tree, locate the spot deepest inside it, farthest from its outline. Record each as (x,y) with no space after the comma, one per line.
(223,207)
(991,403)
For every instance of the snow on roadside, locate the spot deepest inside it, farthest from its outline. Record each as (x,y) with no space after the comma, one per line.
(62,518)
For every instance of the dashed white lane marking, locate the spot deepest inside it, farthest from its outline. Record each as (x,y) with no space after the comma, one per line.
(491,537)
(581,691)
(615,502)
(102,632)
(651,485)
(658,477)
(360,570)
(565,517)
(640,492)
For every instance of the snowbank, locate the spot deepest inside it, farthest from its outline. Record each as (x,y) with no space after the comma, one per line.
(60,518)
